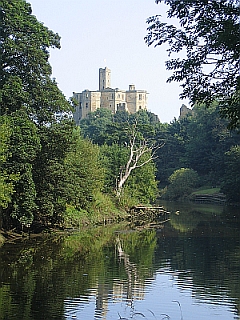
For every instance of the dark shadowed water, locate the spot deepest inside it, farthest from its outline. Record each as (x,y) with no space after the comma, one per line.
(187,268)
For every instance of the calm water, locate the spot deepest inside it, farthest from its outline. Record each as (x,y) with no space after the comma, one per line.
(187,268)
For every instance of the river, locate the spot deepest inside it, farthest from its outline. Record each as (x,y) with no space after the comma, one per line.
(183,269)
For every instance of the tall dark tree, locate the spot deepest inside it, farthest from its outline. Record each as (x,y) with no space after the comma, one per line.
(31,100)
(231,182)
(171,156)
(49,171)
(209,35)
(23,147)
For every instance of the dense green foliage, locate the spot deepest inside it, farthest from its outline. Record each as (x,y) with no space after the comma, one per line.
(84,172)
(113,133)
(208,35)
(6,180)
(103,127)
(23,146)
(199,142)
(231,181)
(45,165)
(182,183)
(25,70)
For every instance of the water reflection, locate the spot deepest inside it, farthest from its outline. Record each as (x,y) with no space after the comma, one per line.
(188,269)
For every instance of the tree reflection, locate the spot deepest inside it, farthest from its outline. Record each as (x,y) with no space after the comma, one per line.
(37,277)
(52,277)
(203,244)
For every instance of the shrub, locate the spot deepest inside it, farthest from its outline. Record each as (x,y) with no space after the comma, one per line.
(182,183)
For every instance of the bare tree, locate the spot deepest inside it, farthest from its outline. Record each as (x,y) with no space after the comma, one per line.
(138,148)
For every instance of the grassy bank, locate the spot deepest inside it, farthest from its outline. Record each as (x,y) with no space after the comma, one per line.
(208,195)
(103,210)
(206,190)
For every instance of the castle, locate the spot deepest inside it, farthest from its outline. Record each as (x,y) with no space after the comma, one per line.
(185,111)
(131,100)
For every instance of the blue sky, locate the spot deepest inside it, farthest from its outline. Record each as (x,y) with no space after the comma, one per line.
(99,33)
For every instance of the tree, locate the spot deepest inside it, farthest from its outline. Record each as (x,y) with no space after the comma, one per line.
(209,34)
(127,143)
(35,106)
(6,180)
(84,174)
(49,171)
(24,144)
(207,140)
(113,157)
(25,71)
(171,156)
(141,152)
(101,126)
(182,182)
(142,186)
(95,124)
(231,182)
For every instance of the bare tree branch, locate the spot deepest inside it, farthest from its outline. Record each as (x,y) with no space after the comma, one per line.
(137,150)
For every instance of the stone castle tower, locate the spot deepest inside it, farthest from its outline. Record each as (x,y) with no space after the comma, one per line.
(104,78)
(131,100)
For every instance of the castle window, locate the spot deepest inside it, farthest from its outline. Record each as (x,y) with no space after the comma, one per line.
(86,104)
(140,96)
(140,107)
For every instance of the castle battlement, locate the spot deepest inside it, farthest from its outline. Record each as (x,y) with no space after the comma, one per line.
(131,100)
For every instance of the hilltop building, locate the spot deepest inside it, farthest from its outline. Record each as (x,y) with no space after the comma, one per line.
(131,100)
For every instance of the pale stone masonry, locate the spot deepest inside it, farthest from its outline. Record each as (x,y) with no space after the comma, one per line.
(185,111)
(131,100)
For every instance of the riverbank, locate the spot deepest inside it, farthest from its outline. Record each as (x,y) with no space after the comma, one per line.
(103,212)
(209,195)
(76,220)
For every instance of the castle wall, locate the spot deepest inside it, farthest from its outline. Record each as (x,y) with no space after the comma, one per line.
(136,99)
(88,101)
(108,100)
(120,100)
(113,99)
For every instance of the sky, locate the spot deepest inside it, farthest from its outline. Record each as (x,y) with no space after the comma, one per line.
(109,33)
